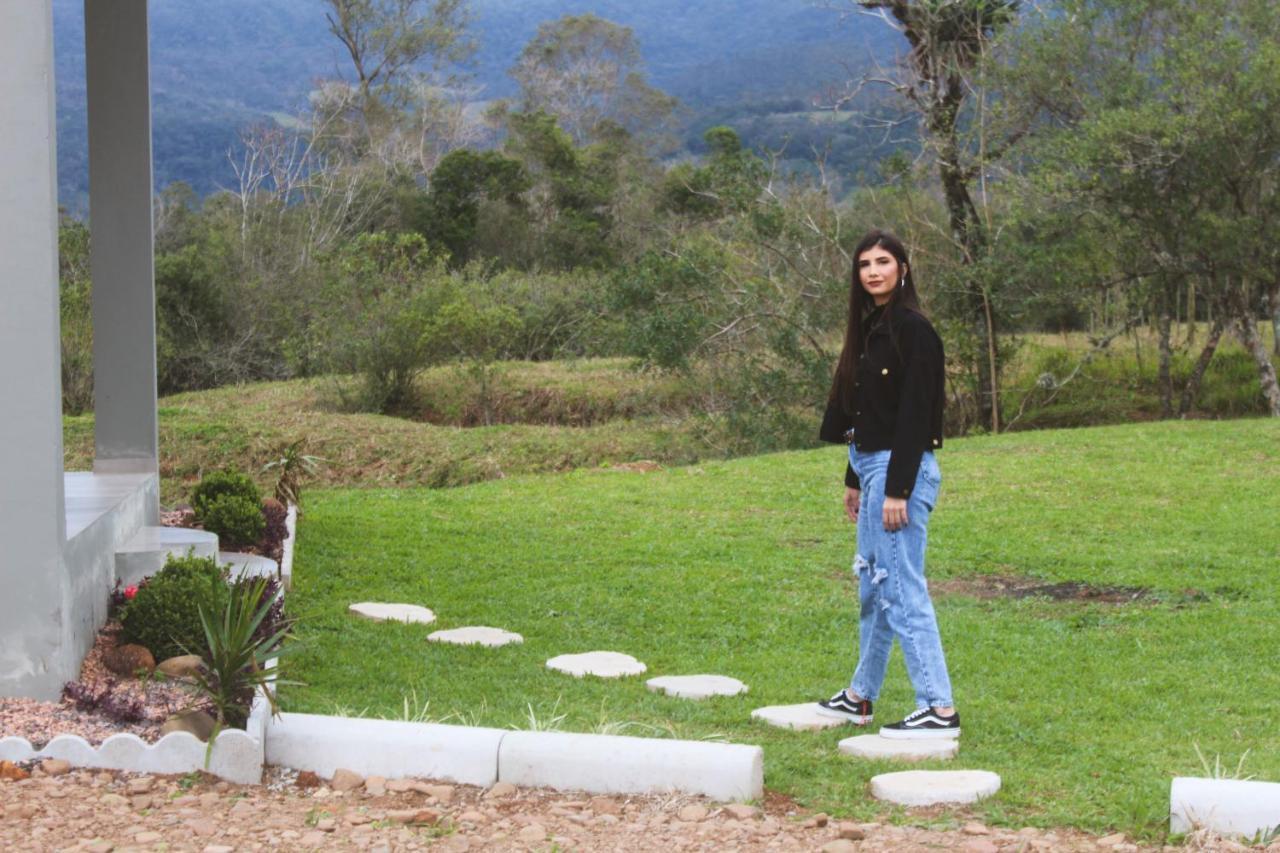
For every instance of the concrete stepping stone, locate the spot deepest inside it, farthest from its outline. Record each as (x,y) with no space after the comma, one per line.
(379,612)
(876,747)
(601,664)
(801,718)
(696,686)
(929,787)
(476,635)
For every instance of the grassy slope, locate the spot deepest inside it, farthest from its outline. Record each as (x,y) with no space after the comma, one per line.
(741,567)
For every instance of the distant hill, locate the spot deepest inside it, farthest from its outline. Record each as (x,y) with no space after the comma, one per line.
(218,66)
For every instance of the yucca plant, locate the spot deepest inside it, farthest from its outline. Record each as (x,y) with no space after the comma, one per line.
(235,656)
(290,466)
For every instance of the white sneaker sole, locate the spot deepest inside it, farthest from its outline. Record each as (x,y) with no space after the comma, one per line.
(856,719)
(920,734)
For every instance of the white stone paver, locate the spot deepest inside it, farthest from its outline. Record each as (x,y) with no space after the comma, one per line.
(696,686)
(929,787)
(602,664)
(1228,806)
(802,718)
(476,635)
(393,612)
(880,748)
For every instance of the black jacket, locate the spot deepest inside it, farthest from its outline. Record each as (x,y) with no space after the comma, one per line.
(899,388)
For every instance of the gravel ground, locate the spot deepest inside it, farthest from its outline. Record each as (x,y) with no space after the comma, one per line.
(107,811)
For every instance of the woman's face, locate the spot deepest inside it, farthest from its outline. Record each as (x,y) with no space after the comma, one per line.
(878,272)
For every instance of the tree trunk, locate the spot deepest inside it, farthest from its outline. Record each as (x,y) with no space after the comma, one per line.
(1273,300)
(1164,327)
(1247,331)
(1192,389)
(1191,311)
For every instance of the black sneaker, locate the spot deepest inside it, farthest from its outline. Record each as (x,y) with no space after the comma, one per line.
(840,705)
(924,723)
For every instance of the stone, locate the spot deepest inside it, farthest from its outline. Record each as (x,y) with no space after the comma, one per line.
(840,845)
(876,747)
(819,820)
(314,838)
(219,848)
(55,766)
(741,811)
(129,659)
(181,666)
(477,635)
(802,718)
(399,786)
(1111,840)
(975,829)
(696,686)
(500,789)
(443,793)
(12,772)
(1230,807)
(979,845)
(928,787)
(533,833)
(197,723)
(147,837)
(605,805)
(202,826)
(850,831)
(407,613)
(599,664)
(140,785)
(327,824)
(375,786)
(345,780)
(471,816)
(307,779)
(693,813)
(98,846)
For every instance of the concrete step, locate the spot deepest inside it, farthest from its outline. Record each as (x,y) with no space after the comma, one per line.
(145,553)
(248,565)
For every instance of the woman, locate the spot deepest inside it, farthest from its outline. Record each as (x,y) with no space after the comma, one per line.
(886,402)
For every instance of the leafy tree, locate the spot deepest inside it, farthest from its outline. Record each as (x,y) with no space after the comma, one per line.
(464,180)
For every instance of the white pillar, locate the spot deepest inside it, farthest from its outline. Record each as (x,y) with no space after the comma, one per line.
(121,239)
(32,511)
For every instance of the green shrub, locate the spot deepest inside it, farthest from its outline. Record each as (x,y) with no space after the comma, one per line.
(237,520)
(219,484)
(164,615)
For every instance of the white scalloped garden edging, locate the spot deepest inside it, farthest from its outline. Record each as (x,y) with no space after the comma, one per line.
(237,755)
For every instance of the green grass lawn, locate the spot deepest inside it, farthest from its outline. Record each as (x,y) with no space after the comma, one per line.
(1086,710)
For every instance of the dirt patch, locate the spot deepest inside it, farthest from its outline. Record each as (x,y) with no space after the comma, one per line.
(1012,586)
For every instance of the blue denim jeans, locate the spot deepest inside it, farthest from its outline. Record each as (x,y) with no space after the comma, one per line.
(891,586)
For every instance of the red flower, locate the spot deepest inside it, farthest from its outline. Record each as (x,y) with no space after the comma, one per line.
(130,592)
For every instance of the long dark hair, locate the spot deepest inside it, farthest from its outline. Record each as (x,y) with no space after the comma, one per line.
(861,304)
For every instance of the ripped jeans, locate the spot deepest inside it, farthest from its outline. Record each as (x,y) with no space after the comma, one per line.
(891,586)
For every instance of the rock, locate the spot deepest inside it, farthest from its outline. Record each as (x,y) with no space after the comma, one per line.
(399,786)
(599,664)
(182,666)
(741,811)
(605,805)
(975,829)
(55,766)
(202,826)
(140,785)
(147,837)
(407,613)
(375,786)
(219,848)
(197,723)
(345,780)
(98,846)
(12,772)
(128,659)
(414,816)
(1111,840)
(471,816)
(818,820)
(693,813)
(327,824)
(314,838)
(696,686)
(500,789)
(442,793)
(840,845)
(876,747)
(851,831)
(803,717)
(533,833)
(929,787)
(476,636)
(979,845)
(307,779)
(111,800)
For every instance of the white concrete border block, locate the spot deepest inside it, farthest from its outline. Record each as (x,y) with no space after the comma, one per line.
(237,755)
(609,764)
(286,550)
(1226,806)
(389,748)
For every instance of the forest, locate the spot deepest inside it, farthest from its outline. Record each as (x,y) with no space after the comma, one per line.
(1104,171)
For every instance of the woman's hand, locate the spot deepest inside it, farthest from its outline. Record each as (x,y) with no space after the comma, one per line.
(851,499)
(895,514)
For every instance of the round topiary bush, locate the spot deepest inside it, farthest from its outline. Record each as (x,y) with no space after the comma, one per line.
(237,520)
(219,484)
(164,615)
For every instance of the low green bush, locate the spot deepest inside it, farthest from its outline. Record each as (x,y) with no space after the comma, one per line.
(164,615)
(224,483)
(237,520)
